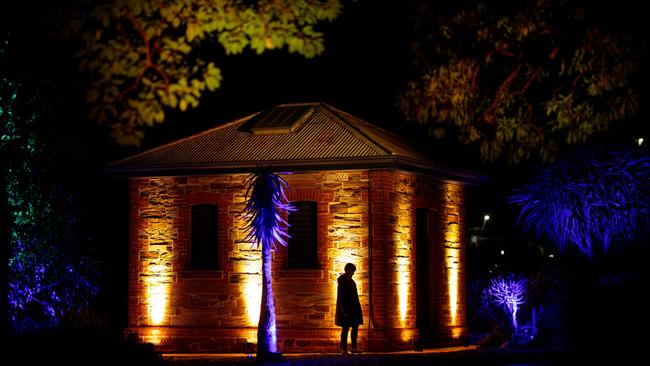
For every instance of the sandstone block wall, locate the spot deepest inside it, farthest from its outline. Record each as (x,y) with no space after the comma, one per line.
(187,310)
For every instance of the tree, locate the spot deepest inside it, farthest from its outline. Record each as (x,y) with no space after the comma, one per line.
(508,292)
(144,56)
(48,276)
(7,148)
(265,204)
(521,80)
(590,200)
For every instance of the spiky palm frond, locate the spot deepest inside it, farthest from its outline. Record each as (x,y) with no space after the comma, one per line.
(589,201)
(265,202)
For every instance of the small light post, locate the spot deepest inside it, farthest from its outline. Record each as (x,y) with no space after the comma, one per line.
(485,219)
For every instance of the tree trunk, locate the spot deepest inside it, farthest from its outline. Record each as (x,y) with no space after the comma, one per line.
(266,338)
(534,321)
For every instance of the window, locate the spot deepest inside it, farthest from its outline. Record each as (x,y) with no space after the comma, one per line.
(303,243)
(204,237)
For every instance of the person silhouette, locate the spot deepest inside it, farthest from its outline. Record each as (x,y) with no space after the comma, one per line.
(348,309)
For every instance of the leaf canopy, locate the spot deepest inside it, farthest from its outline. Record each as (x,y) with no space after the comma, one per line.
(141,55)
(521,80)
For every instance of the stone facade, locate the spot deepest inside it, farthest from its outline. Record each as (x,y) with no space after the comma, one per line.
(366,217)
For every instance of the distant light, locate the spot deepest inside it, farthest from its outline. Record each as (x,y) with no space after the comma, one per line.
(486,217)
(503,252)
(640,141)
(550,255)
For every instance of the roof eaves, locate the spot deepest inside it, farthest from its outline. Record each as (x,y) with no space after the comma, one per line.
(381,162)
(174,143)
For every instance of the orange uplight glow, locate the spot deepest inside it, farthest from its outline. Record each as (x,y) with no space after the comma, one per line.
(344,256)
(452,258)
(251,289)
(403,265)
(407,335)
(456,332)
(153,336)
(157,293)
(403,209)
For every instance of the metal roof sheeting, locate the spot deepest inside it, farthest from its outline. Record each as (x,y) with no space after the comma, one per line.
(314,134)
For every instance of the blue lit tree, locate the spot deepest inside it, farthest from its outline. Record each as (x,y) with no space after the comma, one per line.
(590,201)
(509,293)
(48,275)
(7,105)
(265,204)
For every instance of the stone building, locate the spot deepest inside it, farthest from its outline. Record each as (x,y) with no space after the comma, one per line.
(363,196)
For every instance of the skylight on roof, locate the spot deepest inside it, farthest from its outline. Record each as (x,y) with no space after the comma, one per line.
(283,119)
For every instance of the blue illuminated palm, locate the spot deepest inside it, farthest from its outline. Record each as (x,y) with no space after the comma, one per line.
(266,203)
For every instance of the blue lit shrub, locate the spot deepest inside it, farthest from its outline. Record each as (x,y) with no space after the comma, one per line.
(589,201)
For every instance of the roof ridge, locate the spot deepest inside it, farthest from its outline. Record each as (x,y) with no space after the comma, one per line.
(380,148)
(198,134)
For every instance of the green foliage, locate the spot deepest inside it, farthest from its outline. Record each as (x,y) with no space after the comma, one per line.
(141,55)
(521,80)
(50,275)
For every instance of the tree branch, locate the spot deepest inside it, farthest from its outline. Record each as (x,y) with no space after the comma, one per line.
(497,98)
(149,62)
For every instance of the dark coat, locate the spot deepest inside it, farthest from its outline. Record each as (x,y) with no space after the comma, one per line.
(348,307)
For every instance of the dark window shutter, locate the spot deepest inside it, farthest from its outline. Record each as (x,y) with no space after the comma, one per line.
(303,244)
(204,236)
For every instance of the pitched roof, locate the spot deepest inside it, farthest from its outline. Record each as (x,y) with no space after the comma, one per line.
(294,137)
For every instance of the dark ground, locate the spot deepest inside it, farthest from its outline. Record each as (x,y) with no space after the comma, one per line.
(468,356)
(92,348)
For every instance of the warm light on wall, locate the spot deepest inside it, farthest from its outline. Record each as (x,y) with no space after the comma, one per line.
(451,263)
(452,252)
(251,288)
(154,336)
(250,269)
(404,211)
(157,293)
(343,257)
(408,335)
(451,236)
(158,299)
(403,265)
(157,253)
